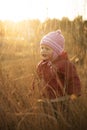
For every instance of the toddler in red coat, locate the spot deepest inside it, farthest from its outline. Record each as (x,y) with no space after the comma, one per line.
(56,72)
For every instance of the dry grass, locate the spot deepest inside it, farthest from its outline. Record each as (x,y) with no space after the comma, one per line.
(19,110)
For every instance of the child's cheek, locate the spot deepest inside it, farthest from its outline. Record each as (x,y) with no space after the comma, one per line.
(54,55)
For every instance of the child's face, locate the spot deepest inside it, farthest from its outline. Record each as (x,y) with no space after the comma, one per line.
(46,52)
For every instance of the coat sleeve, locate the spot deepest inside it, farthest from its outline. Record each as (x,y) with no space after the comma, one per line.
(73,83)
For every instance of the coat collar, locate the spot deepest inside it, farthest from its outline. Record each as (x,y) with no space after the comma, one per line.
(63,56)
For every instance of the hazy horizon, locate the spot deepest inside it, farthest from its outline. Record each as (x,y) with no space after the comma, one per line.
(18,10)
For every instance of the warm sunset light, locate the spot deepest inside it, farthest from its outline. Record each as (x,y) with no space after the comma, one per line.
(17,10)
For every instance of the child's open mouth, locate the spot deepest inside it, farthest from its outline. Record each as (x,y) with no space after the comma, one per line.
(44,55)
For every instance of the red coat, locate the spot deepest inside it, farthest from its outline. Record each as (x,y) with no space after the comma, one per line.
(60,77)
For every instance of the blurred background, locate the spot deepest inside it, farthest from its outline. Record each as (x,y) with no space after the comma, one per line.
(22,25)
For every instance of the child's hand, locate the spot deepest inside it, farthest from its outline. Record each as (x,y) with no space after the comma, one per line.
(73,97)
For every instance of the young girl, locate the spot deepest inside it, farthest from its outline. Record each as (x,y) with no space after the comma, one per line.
(57,74)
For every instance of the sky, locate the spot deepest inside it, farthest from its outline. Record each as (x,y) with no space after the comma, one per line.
(17,10)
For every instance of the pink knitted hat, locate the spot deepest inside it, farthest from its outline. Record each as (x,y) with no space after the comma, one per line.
(55,40)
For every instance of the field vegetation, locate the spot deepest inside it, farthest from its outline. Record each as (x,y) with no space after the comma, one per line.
(19,55)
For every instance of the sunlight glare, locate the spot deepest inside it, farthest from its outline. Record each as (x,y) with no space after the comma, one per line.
(17,10)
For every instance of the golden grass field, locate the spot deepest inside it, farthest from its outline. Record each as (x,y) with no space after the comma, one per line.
(21,110)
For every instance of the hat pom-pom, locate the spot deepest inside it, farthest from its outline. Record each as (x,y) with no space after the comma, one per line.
(58,31)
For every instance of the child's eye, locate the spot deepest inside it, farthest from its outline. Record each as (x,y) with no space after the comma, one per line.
(47,48)
(42,48)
